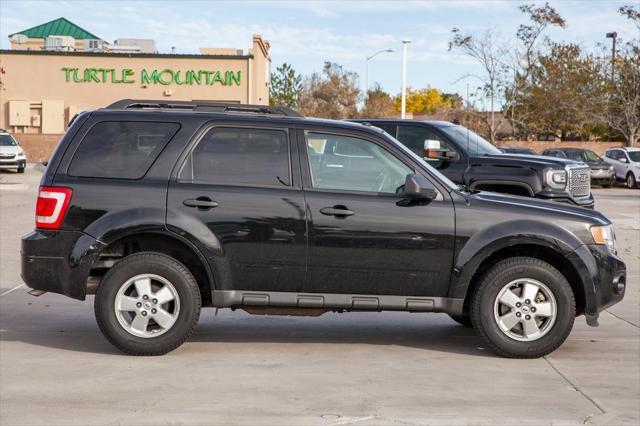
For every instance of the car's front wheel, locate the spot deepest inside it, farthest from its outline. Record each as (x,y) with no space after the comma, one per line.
(147,304)
(523,308)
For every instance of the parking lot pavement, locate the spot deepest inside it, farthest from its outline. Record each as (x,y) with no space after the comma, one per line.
(357,368)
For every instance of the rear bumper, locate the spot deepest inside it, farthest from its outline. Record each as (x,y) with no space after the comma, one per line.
(58,261)
(601,272)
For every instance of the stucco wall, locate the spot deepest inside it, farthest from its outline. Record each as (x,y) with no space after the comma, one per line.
(46,76)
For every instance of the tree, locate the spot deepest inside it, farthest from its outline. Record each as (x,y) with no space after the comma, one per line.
(621,110)
(489,51)
(378,104)
(564,91)
(332,94)
(539,19)
(424,101)
(285,86)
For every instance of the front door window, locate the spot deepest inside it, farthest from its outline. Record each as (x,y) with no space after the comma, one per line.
(346,163)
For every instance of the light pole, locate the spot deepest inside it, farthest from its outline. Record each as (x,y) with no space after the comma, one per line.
(613,36)
(405,42)
(366,87)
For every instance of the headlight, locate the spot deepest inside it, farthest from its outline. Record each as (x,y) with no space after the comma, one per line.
(610,168)
(20,154)
(604,235)
(555,178)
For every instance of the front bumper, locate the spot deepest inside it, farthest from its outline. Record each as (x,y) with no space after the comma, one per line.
(601,273)
(58,261)
(13,164)
(605,176)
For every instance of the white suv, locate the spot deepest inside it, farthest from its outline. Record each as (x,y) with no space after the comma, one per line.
(626,164)
(12,156)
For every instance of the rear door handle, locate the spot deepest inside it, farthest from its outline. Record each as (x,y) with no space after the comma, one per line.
(202,203)
(338,211)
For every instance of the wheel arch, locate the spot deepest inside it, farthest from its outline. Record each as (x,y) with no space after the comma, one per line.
(538,251)
(160,242)
(512,187)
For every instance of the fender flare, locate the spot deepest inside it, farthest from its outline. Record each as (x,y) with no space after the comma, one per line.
(519,184)
(485,243)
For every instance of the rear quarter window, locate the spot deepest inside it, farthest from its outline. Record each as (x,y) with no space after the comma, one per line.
(121,149)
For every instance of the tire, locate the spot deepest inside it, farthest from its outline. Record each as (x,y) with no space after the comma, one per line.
(463,320)
(630,180)
(20,169)
(179,313)
(554,295)
(609,184)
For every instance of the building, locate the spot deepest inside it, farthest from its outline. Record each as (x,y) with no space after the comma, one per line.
(57,69)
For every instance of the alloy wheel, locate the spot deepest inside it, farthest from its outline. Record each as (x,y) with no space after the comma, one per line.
(525,309)
(147,305)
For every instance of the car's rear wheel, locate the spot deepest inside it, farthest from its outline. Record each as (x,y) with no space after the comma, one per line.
(523,308)
(631,181)
(147,304)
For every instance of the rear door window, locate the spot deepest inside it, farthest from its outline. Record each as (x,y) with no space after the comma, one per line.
(240,156)
(121,149)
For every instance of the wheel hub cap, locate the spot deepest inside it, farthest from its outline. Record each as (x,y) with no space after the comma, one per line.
(147,305)
(525,309)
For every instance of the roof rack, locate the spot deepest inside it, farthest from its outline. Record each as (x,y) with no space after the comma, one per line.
(203,106)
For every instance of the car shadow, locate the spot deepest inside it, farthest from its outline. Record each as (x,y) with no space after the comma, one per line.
(435,333)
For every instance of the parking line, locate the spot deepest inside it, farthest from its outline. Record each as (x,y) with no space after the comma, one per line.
(9,291)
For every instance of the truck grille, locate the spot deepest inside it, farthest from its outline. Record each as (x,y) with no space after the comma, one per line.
(579,182)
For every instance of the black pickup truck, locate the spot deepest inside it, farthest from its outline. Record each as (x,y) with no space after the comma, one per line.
(469,160)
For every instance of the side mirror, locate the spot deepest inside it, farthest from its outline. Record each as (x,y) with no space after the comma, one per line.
(433,151)
(418,187)
(624,159)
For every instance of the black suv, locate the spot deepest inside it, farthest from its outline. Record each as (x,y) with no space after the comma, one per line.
(468,159)
(160,209)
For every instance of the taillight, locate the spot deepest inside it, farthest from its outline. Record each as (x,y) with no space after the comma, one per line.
(51,207)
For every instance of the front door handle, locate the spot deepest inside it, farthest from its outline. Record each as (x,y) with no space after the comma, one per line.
(202,203)
(337,211)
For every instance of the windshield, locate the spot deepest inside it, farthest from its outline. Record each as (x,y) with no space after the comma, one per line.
(634,155)
(472,143)
(583,156)
(7,140)
(443,179)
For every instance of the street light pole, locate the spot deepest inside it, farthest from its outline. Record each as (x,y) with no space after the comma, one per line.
(613,36)
(366,86)
(405,42)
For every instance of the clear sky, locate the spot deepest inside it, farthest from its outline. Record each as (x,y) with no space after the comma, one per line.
(307,33)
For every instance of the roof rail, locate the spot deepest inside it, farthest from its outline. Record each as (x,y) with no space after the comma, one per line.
(203,106)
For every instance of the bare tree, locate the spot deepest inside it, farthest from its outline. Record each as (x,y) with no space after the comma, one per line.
(489,51)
